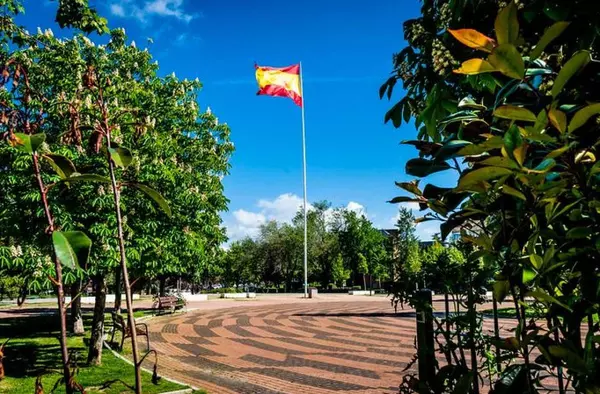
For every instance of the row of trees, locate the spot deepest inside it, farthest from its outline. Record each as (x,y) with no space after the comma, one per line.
(90,133)
(345,249)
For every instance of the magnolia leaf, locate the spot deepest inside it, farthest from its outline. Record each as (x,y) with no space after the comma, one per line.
(121,156)
(401,199)
(494,142)
(579,233)
(450,149)
(585,156)
(549,35)
(411,187)
(573,361)
(558,119)
(471,178)
(513,192)
(498,161)
(28,143)
(507,59)
(541,295)
(557,152)
(153,194)
(515,113)
(507,25)
(422,167)
(62,165)
(545,165)
(536,261)
(528,275)
(475,66)
(573,66)
(501,288)
(582,116)
(72,248)
(519,153)
(468,102)
(513,140)
(473,39)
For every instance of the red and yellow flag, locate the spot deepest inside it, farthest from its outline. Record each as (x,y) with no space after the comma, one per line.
(282,82)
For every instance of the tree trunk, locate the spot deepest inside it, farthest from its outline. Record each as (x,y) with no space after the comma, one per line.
(117,290)
(365,281)
(161,287)
(97,338)
(76,317)
(60,293)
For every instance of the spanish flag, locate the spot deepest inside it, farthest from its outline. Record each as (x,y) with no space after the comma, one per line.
(282,82)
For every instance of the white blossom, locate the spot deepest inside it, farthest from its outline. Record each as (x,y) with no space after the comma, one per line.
(132,44)
(48,33)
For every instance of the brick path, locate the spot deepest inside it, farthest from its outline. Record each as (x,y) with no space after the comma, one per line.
(302,347)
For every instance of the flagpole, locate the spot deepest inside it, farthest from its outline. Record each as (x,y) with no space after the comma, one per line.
(304,184)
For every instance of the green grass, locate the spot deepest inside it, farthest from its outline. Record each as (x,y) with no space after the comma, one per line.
(511,313)
(33,351)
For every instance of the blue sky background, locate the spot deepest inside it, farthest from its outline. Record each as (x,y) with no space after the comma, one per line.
(346,49)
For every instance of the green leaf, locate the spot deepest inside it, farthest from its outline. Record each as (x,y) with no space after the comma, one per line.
(501,288)
(475,66)
(507,25)
(62,165)
(549,35)
(72,248)
(401,199)
(411,187)
(450,149)
(583,115)
(153,194)
(513,192)
(463,386)
(515,113)
(573,360)
(468,102)
(545,165)
(507,59)
(494,142)
(573,66)
(423,167)
(395,114)
(500,161)
(512,139)
(542,296)
(471,178)
(121,156)
(473,39)
(558,119)
(528,275)
(28,143)
(579,233)
(536,261)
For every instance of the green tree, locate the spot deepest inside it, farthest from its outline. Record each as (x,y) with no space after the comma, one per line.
(363,269)
(339,273)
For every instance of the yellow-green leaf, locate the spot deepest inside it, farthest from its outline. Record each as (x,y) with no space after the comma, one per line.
(585,156)
(574,65)
(549,35)
(515,113)
(498,161)
(507,25)
(482,174)
(475,66)
(520,152)
(513,192)
(536,261)
(583,115)
(507,59)
(558,119)
(557,152)
(473,39)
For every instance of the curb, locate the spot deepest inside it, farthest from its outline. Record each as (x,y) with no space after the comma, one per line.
(183,391)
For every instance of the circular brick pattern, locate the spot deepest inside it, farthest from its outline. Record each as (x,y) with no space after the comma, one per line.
(306,347)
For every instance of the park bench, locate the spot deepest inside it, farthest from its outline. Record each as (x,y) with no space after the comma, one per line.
(167,303)
(119,324)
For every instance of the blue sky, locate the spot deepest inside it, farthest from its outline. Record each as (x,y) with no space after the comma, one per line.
(346,48)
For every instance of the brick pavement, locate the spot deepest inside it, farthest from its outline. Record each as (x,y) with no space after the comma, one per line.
(358,346)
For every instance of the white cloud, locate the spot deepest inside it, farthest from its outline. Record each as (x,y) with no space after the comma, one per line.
(117,10)
(143,10)
(281,209)
(249,219)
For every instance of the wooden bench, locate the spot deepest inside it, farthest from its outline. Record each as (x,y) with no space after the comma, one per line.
(119,324)
(167,303)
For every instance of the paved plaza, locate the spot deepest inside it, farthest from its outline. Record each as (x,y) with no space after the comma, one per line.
(292,346)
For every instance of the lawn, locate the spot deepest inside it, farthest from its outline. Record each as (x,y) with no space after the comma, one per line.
(33,351)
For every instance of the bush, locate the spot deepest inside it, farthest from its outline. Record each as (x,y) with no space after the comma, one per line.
(356,287)
(223,290)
